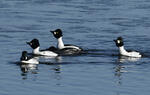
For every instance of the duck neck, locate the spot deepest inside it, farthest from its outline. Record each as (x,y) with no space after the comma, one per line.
(36,50)
(122,50)
(60,43)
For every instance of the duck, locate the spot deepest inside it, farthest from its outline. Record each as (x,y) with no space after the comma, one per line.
(65,48)
(122,51)
(35,45)
(26,59)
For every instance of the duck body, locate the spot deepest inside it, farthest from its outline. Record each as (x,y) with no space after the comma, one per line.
(122,51)
(36,49)
(28,60)
(61,45)
(31,61)
(65,48)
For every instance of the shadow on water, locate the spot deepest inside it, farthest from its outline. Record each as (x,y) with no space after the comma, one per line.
(99,52)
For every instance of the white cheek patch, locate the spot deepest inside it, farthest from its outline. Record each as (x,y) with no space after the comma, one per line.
(118,41)
(55,33)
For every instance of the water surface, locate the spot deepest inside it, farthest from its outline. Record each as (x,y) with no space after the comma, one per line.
(91,24)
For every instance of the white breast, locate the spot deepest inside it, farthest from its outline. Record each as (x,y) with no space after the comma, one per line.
(130,54)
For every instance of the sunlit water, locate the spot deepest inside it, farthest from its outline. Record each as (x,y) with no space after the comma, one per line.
(91,24)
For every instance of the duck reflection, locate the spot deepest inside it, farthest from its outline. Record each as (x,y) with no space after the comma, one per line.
(25,68)
(32,69)
(119,70)
(57,69)
(56,75)
(127,59)
(29,66)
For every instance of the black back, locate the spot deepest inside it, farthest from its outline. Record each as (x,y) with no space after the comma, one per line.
(24,56)
(52,48)
(119,42)
(57,33)
(34,43)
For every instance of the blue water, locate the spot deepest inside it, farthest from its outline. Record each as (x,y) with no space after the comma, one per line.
(91,24)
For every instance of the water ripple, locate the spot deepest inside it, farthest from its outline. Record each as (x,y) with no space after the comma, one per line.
(91,24)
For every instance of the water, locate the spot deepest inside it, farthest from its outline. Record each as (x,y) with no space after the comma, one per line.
(91,24)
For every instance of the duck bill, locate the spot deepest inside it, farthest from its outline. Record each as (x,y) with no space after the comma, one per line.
(52,32)
(114,40)
(28,43)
